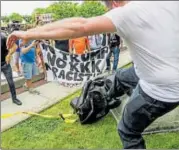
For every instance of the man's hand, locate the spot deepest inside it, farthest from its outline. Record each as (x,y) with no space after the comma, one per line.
(34,43)
(13,37)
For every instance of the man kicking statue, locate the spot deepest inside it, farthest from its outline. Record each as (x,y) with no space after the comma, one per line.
(151,31)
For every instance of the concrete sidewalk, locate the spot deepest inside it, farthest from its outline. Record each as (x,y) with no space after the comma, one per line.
(51,93)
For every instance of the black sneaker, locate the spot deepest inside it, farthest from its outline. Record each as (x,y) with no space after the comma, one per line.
(17,102)
(107,69)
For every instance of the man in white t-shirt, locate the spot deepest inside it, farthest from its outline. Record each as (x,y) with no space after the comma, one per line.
(151,30)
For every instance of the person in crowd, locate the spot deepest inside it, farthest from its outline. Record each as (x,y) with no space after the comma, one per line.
(40,59)
(95,41)
(29,66)
(114,44)
(62,45)
(105,40)
(17,56)
(39,51)
(154,76)
(79,45)
(6,67)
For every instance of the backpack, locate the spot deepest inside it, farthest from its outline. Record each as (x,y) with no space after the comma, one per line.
(96,99)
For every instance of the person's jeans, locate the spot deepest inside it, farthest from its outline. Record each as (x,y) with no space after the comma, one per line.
(116,52)
(6,69)
(139,112)
(30,70)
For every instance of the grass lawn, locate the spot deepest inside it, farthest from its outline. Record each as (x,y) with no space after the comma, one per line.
(43,133)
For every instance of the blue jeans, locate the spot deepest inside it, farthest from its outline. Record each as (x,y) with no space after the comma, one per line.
(29,70)
(116,52)
(6,69)
(139,112)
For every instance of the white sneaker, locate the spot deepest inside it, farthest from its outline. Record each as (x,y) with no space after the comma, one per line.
(19,74)
(33,91)
(25,87)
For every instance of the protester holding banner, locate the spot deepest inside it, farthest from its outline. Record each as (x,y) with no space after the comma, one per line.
(40,60)
(28,59)
(39,53)
(17,59)
(79,45)
(6,67)
(17,56)
(62,45)
(144,25)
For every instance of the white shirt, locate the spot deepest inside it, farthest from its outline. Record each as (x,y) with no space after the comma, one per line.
(151,31)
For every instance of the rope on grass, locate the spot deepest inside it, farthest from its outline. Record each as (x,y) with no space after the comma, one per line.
(64,117)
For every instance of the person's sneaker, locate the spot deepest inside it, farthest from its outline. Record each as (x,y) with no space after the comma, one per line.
(33,91)
(107,71)
(19,74)
(25,87)
(17,102)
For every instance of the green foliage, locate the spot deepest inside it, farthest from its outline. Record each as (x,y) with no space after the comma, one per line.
(62,10)
(5,19)
(27,18)
(37,11)
(16,17)
(91,9)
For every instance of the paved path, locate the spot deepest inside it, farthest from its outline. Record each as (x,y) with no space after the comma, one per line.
(124,58)
(20,90)
(51,93)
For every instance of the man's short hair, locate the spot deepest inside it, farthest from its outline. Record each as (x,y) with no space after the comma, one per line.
(108,3)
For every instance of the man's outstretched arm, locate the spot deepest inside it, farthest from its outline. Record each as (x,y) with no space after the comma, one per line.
(72,28)
(57,24)
(66,29)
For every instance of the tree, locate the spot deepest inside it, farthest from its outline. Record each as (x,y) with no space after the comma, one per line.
(66,9)
(5,19)
(63,9)
(91,9)
(15,17)
(38,11)
(27,18)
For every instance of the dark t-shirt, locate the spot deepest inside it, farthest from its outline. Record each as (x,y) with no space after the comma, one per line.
(114,40)
(4,50)
(62,45)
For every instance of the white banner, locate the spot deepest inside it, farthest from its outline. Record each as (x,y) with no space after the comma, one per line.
(70,69)
(44,17)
